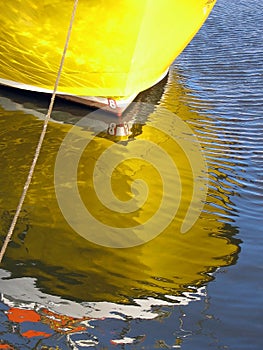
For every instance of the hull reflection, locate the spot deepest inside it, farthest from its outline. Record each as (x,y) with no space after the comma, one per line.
(76,277)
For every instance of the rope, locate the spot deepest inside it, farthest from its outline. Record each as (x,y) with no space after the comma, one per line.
(41,138)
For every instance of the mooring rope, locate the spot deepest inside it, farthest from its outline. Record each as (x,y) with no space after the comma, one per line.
(41,138)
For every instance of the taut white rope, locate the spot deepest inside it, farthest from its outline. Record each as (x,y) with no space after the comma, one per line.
(41,138)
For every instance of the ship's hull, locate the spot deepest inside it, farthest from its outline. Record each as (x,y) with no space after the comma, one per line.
(117,48)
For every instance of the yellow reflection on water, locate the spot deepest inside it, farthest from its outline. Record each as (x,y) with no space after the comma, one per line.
(64,263)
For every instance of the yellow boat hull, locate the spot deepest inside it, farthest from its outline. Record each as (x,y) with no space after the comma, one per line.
(117,48)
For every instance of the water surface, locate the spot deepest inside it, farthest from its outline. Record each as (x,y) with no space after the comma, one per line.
(197,290)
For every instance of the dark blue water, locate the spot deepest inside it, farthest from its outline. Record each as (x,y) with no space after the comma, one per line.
(229,82)
(205,290)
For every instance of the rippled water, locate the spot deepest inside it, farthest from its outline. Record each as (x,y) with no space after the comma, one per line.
(197,290)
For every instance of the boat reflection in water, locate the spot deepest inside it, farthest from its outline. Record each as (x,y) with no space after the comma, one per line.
(56,271)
